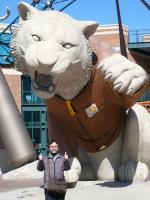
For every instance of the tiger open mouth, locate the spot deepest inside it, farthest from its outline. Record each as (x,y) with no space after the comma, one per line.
(43,82)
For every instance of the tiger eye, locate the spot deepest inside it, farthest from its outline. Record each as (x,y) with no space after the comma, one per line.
(36,38)
(68,45)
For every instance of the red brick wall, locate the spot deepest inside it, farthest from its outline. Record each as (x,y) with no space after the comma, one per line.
(14,83)
(110,34)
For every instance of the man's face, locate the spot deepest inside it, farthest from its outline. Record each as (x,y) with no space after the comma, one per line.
(53,148)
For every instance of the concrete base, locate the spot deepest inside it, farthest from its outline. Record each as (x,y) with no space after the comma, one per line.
(27,171)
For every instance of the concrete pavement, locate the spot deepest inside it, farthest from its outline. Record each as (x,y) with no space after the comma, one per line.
(32,193)
(84,190)
(14,184)
(109,191)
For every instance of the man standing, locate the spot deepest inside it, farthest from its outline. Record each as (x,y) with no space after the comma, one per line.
(54,166)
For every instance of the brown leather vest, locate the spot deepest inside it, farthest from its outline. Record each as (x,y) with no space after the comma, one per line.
(99,131)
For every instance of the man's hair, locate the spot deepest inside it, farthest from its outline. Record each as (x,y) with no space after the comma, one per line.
(51,142)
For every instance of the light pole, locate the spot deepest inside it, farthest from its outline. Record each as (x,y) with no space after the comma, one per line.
(145,4)
(121,35)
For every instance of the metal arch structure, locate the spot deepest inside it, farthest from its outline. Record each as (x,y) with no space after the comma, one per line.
(145,4)
(6,60)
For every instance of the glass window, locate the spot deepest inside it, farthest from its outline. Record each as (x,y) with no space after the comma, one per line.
(36,116)
(36,124)
(28,94)
(36,136)
(26,83)
(27,98)
(27,116)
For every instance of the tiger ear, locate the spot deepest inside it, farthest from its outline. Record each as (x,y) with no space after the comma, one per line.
(88,27)
(26,10)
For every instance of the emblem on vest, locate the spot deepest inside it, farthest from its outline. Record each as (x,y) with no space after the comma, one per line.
(91,110)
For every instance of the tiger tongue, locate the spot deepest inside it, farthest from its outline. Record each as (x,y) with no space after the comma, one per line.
(44,80)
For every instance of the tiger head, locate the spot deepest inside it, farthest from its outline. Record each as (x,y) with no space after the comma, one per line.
(54,50)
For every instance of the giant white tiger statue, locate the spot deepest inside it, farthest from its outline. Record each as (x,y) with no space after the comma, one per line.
(89,90)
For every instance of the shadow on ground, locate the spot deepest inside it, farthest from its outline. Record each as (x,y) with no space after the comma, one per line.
(115,184)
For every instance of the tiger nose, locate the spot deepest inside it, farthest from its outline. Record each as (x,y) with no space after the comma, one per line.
(47,61)
(47,54)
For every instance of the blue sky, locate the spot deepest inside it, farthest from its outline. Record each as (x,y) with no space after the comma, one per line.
(134,14)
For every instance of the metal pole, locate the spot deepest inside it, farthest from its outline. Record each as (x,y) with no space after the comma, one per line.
(145,4)
(67,5)
(121,35)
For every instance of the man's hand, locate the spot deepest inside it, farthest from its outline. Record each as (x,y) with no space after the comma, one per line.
(66,156)
(40,156)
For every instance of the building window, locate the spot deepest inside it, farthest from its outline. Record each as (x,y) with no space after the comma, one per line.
(28,95)
(34,114)
(146,95)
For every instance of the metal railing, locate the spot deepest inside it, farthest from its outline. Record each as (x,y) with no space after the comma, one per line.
(146,96)
(136,36)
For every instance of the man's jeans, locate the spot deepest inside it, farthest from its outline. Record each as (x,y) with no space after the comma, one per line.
(53,196)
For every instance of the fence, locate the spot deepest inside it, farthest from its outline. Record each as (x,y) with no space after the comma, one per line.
(137,36)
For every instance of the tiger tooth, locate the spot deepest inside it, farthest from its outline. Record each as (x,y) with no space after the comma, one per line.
(76,61)
(51,88)
(54,80)
(35,85)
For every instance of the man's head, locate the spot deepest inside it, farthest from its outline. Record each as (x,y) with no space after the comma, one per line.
(53,147)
